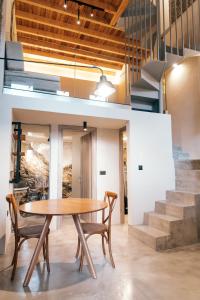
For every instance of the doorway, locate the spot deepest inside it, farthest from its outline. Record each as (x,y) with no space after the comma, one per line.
(77,163)
(123,175)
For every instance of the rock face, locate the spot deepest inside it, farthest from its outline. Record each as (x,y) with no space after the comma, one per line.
(67,181)
(34,184)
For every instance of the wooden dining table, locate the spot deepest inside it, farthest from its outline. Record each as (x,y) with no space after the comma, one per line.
(60,207)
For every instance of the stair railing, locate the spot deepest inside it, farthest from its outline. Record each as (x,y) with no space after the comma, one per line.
(157,27)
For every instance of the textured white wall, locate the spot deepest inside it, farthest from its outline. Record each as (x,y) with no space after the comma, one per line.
(5,187)
(149,143)
(108,160)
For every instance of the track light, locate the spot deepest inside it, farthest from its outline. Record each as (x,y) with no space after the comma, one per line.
(65,4)
(78,20)
(92,14)
(85,126)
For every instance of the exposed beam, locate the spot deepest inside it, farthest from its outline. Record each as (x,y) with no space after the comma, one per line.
(69,27)
(64,38)
(54,8)
(71,58)
(70,40)
(64,49)
(119,12)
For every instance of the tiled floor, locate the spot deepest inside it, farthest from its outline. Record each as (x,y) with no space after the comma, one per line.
(140,274)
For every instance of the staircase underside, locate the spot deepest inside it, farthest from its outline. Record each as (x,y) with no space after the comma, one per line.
(148,86)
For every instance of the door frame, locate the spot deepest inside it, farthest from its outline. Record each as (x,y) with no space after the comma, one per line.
(93,130)
(121,175)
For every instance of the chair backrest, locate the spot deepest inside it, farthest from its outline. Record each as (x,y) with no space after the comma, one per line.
(110,198)
(14,50)
(13,209)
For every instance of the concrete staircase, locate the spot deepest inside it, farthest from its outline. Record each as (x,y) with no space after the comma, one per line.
(176,220)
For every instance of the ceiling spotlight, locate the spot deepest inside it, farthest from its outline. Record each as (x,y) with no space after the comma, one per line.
(92,14)
(78,22)
(65,4)
(104,87)
(85,126)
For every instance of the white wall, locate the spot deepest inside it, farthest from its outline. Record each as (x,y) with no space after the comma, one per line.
(149,143)
(108,160)
(5,152)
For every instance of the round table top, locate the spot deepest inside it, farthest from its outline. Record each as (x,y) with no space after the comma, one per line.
(66,206)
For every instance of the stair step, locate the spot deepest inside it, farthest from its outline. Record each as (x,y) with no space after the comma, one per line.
(166,223)
(188,175)
(183,197)
(179,210)
(182,232)
(152,237)
(188,164)
(188,186)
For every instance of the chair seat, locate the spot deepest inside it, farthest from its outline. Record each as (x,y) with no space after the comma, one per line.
(92,228)
(32,231)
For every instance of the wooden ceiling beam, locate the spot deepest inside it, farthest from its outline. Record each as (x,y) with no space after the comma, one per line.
(54,8)
(74,59)
(70,40)
(121,9)
(64,38)
(64,49)
(69,27)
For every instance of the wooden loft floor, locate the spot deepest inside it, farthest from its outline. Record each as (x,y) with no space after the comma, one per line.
(47,29)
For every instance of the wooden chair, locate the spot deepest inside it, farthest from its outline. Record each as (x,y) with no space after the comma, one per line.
(24,233)
(103,229)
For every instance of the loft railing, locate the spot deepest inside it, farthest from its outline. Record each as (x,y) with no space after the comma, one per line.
(43,78)
(157,27)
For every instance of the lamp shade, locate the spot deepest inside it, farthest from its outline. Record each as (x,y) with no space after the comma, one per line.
(104,87)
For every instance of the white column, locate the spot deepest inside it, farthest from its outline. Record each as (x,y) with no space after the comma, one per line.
(5,152)
(54,170)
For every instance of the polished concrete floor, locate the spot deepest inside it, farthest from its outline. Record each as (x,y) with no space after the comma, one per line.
(140,274)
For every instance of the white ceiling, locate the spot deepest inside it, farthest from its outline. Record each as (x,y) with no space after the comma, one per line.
(38,117)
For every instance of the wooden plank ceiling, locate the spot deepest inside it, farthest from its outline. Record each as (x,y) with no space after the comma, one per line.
(47,29)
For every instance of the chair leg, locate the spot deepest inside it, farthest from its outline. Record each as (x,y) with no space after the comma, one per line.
(81,260)
(14,260)
(47,253)
(110,252)
(103,245)
(44,250)
(78,248)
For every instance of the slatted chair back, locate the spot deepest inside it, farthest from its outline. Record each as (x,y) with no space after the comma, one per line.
(110,198)
(13,210)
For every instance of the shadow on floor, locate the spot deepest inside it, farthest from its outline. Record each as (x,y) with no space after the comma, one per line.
(61,276)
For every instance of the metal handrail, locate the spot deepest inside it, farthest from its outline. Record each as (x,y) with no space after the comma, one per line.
(155,28)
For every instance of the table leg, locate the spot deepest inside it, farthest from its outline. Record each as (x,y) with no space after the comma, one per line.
(37,250)
(84,245)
